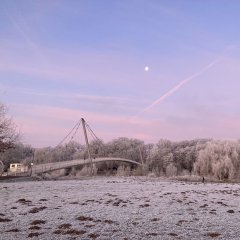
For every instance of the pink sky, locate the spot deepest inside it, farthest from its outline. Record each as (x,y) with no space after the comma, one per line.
(62,61)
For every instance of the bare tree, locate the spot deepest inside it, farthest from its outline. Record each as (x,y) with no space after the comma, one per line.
(8,133)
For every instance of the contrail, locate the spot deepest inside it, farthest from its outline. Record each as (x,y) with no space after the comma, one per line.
(179,85)
(22,32)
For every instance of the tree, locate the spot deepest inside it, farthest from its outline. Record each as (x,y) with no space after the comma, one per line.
(220,159)
(97,148)
(19,154)
(125,148)
(160,156)
(185,153)
(8,134)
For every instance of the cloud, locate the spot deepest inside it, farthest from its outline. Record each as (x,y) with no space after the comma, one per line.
(81,66)
(45,121)
(73,99)
(44,125)
(18,21)
(66,95)
(180,84)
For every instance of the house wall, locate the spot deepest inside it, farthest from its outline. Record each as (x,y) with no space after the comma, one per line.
(18,167)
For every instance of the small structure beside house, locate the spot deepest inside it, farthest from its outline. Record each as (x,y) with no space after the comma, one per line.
(17,168)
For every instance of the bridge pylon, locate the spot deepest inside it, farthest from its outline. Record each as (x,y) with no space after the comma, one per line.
(87,145)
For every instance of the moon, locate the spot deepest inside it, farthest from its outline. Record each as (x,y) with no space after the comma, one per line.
(146,69)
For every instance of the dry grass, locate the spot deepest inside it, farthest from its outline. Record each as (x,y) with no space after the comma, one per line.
(83,218)
(93,236)
(223,204)
(13,230)
(37,209)
(74,232)
(89,226)
(58,231)
(69,231)
(34,234)
(37,222)
(34,228)
(204,205)
(213,234)
(213,211)
(116,204)
(135,223)
(173,234)
(5,220)
(180,222)
(109,221)
(43,200)
(111,195)
(151,234)
(65,226)
(97,221)
(144,205)
(23,201)
(109,201)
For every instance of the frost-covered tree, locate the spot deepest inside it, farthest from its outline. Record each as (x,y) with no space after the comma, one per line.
(219,159)
(97,148)
(68,151)
(171,170)
(19,154)
(186,152)
(8,134)
(126,148)
(175,157)
(43,155)
(160,156)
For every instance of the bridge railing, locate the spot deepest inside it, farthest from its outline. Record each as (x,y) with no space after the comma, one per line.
(41,168)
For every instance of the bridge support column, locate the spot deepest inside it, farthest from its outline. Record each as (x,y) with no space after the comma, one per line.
(87,145)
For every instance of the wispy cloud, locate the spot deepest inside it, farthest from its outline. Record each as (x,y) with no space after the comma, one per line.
(38,120)
(180,84)
(44,125)
(69,67)
(17,21)
(71,97)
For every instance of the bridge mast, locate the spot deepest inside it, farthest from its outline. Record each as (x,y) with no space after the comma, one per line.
(87,144)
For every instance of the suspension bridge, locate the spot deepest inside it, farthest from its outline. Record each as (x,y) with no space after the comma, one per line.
(49,167)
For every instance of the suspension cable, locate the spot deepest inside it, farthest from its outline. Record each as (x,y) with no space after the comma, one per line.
(76,126)
(94,137)
(79,123)
(92,132)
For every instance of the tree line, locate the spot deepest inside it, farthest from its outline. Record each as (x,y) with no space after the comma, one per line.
(219,159)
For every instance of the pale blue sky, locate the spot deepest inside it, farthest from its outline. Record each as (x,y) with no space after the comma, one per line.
(63,60)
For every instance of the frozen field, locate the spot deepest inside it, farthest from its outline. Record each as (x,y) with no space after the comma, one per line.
(119,208)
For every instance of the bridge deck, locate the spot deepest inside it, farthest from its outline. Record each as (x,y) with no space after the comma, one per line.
(48,167)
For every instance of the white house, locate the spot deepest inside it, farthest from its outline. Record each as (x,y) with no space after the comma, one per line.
(18,167)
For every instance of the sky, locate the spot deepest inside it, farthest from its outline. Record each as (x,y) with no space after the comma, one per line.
(65,60)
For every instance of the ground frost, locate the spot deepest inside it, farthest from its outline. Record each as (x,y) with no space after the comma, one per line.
(119,208)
